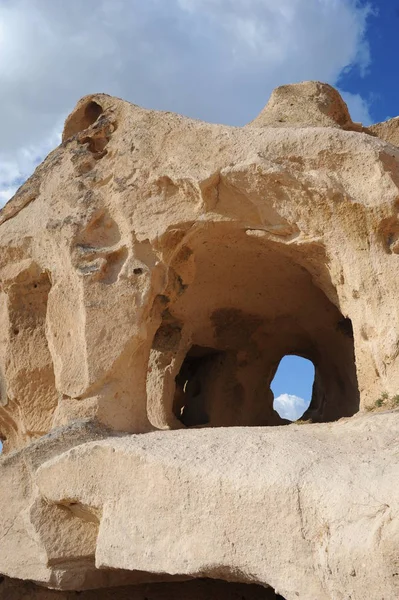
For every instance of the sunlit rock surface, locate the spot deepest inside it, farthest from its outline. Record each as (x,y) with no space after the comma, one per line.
(154,271)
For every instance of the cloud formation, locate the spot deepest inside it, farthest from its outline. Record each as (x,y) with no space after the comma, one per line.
(216,60)
(290,407)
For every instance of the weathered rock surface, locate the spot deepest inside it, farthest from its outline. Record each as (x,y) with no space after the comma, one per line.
(387,131)
(154,270)
(160,250)
(307,104)
(311,510)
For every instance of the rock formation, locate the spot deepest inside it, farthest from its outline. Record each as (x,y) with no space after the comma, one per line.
(154,271)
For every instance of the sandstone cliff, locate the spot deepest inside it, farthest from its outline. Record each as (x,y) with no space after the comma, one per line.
(154,271)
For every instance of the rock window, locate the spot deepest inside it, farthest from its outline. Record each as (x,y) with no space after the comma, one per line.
(236,306)
(292,387)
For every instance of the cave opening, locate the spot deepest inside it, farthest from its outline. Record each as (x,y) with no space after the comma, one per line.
(240,305)
(189,404)
(82,118)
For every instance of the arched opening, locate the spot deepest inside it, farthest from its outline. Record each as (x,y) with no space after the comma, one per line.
(82,118)
(292,387)
(234,307)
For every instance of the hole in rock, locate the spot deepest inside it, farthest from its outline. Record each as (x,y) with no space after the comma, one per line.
(246,303)
(96,145)
(192,381)
(92,112)
(82,119)
(292,387)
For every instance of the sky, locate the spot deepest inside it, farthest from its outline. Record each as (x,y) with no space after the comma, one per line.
(292,386)
(216,60)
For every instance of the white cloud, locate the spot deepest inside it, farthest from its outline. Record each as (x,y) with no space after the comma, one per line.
(7,193)
(291,31)
(14,171)
(290,407)
(359,108)
(212,59)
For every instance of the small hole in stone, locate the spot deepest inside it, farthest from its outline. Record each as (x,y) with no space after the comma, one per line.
(15,331)
(92,112)
(138,271)
(96,145)
(81,119)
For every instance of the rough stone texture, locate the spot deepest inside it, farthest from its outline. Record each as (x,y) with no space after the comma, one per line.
(307,104)
(387,131)
(160,250)
(295,508)
(154,270)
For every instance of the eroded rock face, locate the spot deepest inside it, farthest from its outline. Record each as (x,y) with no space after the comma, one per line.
(309,510)
(154,271)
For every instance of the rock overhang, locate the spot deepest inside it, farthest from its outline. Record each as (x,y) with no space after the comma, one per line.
(273,506)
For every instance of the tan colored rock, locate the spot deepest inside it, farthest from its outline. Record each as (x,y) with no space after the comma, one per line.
(306,104)
(387,131)
(310,510)
(160,246)
(154,271)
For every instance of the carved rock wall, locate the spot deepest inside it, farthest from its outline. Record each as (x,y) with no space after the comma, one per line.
(154,271)
(149,234)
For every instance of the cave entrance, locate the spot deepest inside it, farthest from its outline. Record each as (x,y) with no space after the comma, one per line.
(237,305)
(292,386)
(189,404)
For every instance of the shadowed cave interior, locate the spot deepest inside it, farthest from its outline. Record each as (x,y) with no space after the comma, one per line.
(247,303)
(194,589)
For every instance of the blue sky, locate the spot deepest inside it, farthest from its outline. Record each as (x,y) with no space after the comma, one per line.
(292,386)
(216,60)
(379,85)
